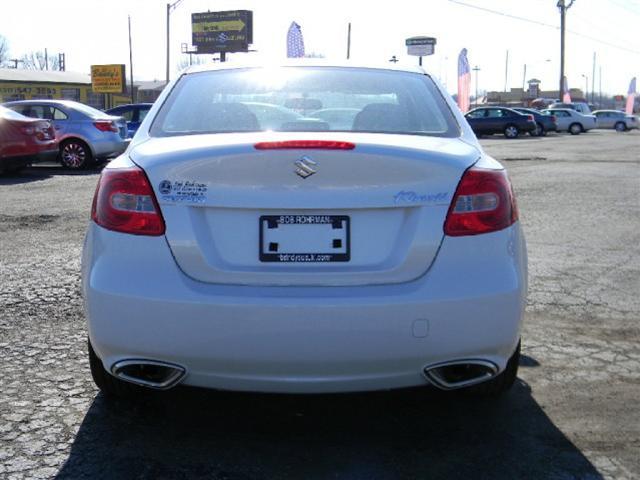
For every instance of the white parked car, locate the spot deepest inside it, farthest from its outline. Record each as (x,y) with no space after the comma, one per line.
(571,121)
(306,257)
(616,119)
(581,107)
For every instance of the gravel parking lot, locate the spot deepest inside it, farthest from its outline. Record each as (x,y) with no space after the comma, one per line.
(574,413)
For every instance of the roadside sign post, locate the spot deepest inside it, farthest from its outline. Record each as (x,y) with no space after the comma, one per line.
(420,47)
(108,79)
(222,32)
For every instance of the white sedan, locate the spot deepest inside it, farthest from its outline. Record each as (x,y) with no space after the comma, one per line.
(304,257)
(571,121)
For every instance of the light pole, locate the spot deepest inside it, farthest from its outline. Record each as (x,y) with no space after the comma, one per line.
(586,86)
(476,69)
(563,7)
(170,8)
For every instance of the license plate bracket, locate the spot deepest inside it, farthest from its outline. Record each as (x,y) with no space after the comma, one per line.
(305,238)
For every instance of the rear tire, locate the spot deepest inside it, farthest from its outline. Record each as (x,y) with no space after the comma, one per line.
(511,131)
(503,382)
(75,154)
(620,127)
(109,385)
(575,129)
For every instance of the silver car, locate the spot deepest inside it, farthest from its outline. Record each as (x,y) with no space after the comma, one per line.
(615,119)
(571,121)
(85,134)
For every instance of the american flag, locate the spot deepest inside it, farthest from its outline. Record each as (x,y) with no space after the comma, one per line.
(631,94)
(295,43)
(566,96)
(464,81)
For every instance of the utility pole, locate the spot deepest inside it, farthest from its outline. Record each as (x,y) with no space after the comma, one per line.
(131,62)
(586,88)
(476,69)
(506,71)
(600,95)
(563,11)
(170,8)
(349,41)
(46,59)
(593,79)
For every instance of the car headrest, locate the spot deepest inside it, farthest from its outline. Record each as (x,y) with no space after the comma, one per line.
(382,117)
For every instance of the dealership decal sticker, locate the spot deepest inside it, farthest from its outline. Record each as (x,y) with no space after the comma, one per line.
(182,191)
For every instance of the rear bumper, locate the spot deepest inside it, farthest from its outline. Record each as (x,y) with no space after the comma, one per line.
(23,160)
(110,148)
(304,339)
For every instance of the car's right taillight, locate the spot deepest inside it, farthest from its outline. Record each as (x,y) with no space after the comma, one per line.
(124,202)
(483,203)
(106,126)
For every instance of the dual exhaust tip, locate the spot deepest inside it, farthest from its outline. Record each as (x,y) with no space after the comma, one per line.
(163,376)
(149,373)
(460,374)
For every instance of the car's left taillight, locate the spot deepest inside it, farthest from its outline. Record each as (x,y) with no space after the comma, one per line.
(483,203)
(124,202)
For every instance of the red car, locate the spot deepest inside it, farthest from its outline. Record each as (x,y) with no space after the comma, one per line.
(24,141)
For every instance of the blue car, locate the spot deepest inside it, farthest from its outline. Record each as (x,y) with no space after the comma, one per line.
(133,113)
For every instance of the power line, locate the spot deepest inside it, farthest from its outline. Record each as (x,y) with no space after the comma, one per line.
(543,24)
(625,6)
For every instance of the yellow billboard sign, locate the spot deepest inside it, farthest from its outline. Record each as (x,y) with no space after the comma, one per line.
(107,78)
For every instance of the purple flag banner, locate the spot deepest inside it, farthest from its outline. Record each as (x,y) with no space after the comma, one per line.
(631,95)
(295,42)
(464,81)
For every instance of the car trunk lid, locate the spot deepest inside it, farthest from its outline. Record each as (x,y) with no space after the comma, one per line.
(239,215)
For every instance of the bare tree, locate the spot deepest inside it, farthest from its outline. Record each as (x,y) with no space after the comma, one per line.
(37,61)
(195,60)
(4,50)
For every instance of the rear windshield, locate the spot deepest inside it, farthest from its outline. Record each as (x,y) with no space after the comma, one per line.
(10,114)
(88,111)
(303,99)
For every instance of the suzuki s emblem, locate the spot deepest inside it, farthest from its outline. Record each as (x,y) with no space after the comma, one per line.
(305,167)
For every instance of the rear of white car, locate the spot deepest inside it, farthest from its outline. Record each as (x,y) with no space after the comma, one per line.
(304,258)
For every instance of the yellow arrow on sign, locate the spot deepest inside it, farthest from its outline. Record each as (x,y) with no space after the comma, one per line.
(223,26)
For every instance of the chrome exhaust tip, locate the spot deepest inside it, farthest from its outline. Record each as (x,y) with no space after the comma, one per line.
(460,373)
(149,373)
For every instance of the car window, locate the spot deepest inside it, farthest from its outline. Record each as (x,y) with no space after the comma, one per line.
(496,113)
(59,114)
(39,111)
(225,101)
(142,113)
(126,113)
(477,114)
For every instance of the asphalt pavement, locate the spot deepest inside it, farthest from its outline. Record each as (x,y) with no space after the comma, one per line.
(574,412)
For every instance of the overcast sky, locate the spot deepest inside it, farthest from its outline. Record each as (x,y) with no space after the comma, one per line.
(95,32)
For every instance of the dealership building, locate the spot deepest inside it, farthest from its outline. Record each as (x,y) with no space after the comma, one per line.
(19,84)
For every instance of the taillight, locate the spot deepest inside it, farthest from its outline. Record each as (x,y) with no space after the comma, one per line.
(553,118)
(44,131)
(124,202)
(483,203)
(318,144)
(530,118)
(106,126)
